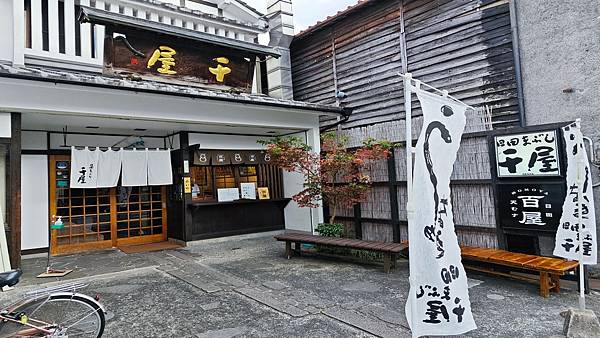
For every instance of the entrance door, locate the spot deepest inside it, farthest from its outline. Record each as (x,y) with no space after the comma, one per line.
(104,217)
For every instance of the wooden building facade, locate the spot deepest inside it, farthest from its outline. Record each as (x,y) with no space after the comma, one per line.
(466,47)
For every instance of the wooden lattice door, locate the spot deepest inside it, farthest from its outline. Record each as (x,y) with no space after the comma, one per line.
(104,217)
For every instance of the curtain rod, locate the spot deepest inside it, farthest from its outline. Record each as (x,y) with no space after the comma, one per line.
(116,148)
(444,93)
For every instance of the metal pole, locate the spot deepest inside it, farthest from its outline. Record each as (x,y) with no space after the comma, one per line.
(580,179)
(409,185)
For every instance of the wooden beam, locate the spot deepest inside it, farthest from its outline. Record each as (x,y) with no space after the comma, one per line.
(188,226)
(393,190)
(14,210)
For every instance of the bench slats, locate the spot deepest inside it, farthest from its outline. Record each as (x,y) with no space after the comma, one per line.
(343,242)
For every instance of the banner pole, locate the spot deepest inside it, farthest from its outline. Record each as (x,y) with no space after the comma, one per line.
(409,184)
(580,179)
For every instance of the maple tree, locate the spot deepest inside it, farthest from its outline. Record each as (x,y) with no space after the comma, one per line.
(338,175)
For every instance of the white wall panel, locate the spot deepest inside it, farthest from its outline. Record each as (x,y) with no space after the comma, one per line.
(5,125)
(34,201)
(234,142)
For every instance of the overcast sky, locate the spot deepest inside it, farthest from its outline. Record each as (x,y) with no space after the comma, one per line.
(308,12)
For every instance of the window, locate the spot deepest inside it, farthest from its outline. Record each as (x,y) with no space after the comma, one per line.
(224,177)
(202,184)
(248,174)
(206,179)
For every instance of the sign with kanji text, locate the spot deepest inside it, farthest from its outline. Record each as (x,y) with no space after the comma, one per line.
(576,235)
(528,154)
(174,60)
(536,206)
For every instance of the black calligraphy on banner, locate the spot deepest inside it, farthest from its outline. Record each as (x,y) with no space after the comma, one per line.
(84,164)
(531,154)
(439,287)
(576,235)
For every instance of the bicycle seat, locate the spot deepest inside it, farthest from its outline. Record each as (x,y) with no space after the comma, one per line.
(10,278)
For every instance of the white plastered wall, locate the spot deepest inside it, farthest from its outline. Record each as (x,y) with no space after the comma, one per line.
(297,218)
(5,125)
(230,142)
(34,201)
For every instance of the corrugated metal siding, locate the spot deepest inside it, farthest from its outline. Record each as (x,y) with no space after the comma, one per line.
(463,46)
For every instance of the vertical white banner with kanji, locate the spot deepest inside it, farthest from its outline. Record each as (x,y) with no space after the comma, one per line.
(567,236)
(439,283)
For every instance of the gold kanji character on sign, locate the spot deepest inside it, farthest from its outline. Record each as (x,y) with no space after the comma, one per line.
(164,54)
(221,71)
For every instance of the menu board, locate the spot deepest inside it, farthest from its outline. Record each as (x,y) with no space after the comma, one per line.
(228,194)
(248,191)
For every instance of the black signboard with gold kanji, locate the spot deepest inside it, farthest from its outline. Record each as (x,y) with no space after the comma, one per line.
(158,57)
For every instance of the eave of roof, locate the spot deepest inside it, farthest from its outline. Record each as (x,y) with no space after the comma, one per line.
(331,19)
(187,11)
(121,83)
(96,16)
(245,4)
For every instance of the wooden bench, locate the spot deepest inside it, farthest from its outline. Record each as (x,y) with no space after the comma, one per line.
(389,250)
(549,268)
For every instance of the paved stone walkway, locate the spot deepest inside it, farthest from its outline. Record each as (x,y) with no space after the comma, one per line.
(246,288)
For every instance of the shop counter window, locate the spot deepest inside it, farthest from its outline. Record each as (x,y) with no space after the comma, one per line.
(224,177)
(207,179)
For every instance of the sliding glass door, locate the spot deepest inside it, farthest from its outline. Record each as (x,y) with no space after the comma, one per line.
(103,217)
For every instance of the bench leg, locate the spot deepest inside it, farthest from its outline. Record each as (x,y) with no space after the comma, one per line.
(387,262)
(555,280)
(298,248)
(394,261)
(288,250)
(544,285)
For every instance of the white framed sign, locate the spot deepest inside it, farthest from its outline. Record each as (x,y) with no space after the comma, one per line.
(532,154)
(248,190)
(228,195)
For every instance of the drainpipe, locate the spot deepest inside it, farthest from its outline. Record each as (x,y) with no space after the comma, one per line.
(517,57)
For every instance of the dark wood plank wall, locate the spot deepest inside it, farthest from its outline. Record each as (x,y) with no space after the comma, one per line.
(463,46)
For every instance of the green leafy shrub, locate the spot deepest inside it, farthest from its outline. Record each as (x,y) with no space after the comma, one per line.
(330,230)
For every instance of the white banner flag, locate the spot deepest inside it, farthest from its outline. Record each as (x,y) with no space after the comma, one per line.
(439,283)
(84,168)
(569,229)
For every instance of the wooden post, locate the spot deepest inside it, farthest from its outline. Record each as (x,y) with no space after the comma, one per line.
(184,145)
(357,221)
(14,210)
(393,189)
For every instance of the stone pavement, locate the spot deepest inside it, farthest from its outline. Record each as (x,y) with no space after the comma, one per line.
(246,288)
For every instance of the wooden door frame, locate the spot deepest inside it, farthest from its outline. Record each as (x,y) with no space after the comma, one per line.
(114,242)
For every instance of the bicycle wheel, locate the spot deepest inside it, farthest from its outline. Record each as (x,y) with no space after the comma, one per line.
(67,315)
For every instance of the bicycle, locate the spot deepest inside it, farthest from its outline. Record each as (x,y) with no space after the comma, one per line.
(56,312)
